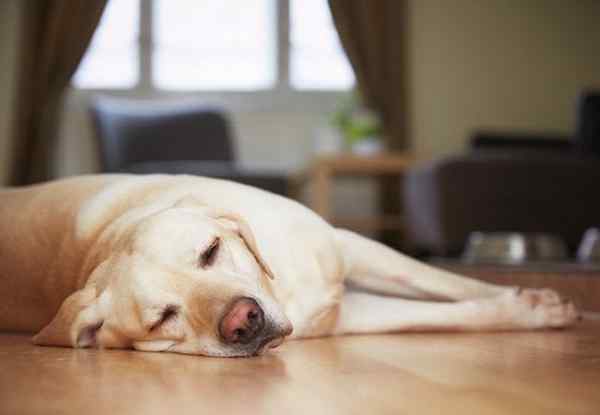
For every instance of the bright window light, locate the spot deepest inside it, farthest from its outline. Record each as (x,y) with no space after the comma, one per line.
(111,60)
(317,60)
(214,44)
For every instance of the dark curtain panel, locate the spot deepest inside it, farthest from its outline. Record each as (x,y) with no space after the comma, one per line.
(372,33)
(55,35)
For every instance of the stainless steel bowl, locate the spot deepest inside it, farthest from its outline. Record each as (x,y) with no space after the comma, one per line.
(514,248)
(589,248)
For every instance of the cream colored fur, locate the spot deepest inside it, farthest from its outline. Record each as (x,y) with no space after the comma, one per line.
(94,260)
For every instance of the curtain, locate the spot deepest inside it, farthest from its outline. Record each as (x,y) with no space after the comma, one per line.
(372,33)
(55,35)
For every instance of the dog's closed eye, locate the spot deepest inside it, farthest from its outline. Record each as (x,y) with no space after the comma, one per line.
(208,256)
(169,313)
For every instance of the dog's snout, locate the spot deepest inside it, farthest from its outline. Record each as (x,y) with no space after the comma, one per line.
(243,323)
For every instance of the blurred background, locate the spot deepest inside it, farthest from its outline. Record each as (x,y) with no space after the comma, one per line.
(485,112)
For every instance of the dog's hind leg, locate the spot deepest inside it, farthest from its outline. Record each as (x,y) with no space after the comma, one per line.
(373,266)
(512,310)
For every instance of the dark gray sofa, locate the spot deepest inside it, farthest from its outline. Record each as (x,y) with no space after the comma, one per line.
(510,182)
(447,199)
(147,137)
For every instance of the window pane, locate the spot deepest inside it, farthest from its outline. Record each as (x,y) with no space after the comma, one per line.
(317,60)
(111,61)
(214,44)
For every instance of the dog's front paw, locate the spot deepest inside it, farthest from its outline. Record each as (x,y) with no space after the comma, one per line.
(539,308)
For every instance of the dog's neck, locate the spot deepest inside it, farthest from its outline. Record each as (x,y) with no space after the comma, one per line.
(40,259)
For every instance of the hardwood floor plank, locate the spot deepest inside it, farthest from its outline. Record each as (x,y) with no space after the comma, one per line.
(548,372)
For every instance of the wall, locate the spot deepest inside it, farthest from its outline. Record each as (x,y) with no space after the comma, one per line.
(9,13)
(514,64)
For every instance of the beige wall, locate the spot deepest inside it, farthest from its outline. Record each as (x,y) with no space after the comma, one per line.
(510,64)
(8,40)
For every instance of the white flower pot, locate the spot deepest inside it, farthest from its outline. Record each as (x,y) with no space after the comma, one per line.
(367,146)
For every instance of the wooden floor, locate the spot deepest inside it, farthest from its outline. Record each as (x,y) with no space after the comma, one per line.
(553,372)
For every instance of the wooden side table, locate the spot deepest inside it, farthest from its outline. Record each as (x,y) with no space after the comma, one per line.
(324,169)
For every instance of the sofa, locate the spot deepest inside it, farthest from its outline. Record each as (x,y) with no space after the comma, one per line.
(147,137)
(508,182)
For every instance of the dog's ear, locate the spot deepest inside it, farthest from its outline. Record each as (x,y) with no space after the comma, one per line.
(239,225)
(75,323)
(232,221)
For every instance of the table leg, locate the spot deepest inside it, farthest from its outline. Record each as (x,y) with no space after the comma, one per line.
(322,192)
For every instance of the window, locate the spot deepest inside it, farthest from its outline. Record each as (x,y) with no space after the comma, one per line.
(206,44)
(316,59)
(111,61)
(215,45)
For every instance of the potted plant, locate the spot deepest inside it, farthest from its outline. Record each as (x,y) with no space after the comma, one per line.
(360,127)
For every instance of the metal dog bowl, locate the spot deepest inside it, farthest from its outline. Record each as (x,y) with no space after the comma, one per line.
(589,248)
(514,248)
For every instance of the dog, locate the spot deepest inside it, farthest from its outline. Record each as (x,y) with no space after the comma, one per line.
(210,267)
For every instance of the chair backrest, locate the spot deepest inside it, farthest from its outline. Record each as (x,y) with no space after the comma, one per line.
(132,131)
(587,133)
(519,142)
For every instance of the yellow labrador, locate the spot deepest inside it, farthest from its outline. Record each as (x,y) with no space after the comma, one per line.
(205,266)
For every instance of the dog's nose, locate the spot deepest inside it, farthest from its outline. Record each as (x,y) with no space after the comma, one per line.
(243,322)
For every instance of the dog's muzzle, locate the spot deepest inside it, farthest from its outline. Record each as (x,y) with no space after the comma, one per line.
(245,326)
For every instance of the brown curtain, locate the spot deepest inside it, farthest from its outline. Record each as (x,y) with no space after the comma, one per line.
(372,33)
(55,35)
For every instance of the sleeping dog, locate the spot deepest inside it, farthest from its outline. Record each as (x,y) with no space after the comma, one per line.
(210,267)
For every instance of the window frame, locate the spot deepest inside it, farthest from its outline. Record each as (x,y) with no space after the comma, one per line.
(282,96)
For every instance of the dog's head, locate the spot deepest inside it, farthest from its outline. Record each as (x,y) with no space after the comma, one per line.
(185,279)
